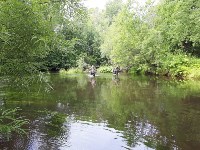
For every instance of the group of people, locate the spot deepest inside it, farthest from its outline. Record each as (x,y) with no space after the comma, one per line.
(115,70)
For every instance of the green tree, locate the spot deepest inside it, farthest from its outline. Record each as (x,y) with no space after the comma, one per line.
(24,37)
(178,22)
(113,7)
(122,37)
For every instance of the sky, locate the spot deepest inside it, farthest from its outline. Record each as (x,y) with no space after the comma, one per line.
(101,3)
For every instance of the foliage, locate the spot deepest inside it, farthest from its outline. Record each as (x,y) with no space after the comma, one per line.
(24,37)
(74,70)
(51,35)
(115,39)
(67,18)
(47,35)
(70,71)
(178,22)
(105,69)
(113,7)
(77,40)
(61,56)
(10,123)
(155,39)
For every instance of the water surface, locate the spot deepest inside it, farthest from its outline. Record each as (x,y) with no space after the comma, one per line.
(105,113)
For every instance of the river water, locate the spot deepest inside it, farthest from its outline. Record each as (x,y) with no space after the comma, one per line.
(106,113)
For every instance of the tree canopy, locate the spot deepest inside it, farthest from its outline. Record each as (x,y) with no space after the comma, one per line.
(51,35)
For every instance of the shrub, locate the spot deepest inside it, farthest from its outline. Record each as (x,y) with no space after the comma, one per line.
(62,72)
(74,70)
(105,69)
(70,71)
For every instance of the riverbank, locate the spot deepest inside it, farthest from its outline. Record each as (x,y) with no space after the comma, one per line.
(176,67)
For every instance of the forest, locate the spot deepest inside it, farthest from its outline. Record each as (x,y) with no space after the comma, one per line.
(48,35)
(158,39)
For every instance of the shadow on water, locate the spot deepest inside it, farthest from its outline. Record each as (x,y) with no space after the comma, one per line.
(106,112)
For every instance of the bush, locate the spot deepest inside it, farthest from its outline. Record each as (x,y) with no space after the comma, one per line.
(74,70)
(105,69)
(62,72)
(173,65)
(70,71)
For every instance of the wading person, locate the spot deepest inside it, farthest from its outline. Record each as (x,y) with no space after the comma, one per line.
(92,70)
(116,70)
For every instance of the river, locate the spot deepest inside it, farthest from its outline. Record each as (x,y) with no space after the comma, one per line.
(106,113)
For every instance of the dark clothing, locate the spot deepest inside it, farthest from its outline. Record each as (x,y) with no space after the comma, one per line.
(92,71)
(116,70)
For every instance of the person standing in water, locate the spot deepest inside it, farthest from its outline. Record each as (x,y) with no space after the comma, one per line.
(93,70)
(116,70)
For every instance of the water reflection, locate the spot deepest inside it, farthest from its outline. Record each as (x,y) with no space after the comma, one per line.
(92,81)
(138,113)
(90,136)
(116,79)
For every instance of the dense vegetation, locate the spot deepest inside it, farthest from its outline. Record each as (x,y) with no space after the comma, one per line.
(161,39)
(48,35)
(45,35)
